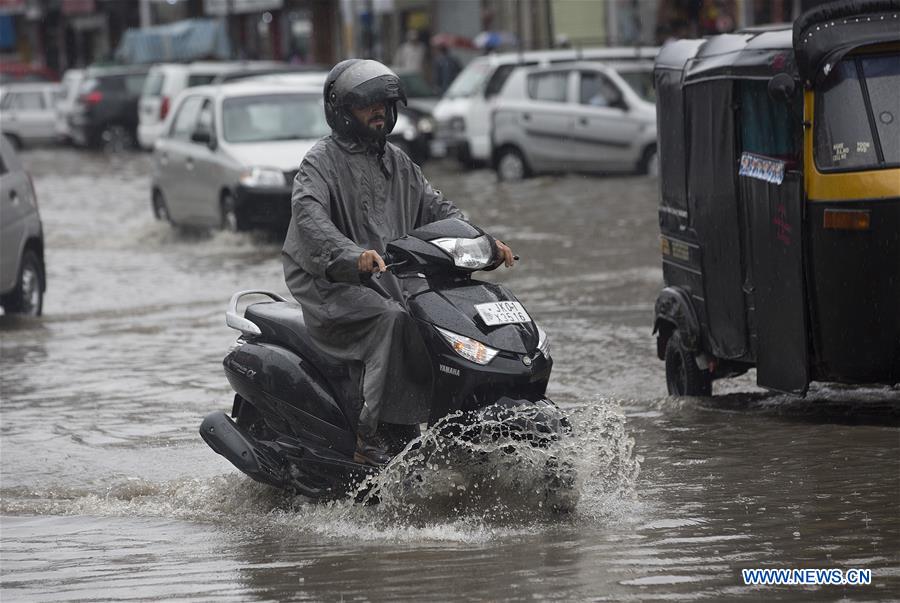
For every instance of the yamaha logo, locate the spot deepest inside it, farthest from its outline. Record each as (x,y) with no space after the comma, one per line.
(449,370)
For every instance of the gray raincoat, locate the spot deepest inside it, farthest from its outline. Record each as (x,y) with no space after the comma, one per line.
(349,198)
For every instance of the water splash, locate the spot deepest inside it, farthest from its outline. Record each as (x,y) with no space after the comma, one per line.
(470,488)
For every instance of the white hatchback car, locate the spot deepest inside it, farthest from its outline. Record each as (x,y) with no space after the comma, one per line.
(165,81)
(571,117)
(463,115)
(228,153)
(29,112)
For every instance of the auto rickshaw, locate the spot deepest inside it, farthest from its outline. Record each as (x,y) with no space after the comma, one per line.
(779,157)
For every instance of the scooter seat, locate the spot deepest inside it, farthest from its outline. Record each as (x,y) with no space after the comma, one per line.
(283,322)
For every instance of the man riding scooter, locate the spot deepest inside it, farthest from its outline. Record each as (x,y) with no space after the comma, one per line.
(354,192)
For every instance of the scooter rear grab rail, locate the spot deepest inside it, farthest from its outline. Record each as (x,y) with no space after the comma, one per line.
(238,322)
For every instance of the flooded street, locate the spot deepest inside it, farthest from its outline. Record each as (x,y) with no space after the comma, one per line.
(108,492)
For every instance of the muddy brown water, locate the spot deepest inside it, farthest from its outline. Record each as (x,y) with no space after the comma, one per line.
(108,493)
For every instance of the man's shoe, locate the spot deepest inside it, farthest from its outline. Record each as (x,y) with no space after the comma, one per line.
(372,450)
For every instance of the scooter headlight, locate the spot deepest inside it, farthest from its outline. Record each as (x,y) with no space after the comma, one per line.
(468,348)
(543,342)
(473,254)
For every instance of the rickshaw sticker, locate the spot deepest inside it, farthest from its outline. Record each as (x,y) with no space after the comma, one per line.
(680,251)
(840,151)
(762,168)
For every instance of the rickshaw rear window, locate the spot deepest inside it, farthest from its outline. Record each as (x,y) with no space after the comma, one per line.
(768,127)
(858,115)
(883,81)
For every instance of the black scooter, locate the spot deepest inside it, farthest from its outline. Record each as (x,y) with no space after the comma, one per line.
(293,422)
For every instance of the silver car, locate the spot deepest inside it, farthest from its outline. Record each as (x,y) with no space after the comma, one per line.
(571,117)
(29,112)
(22,274)
(228,154)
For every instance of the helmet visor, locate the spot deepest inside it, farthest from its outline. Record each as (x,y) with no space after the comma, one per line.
(367,83)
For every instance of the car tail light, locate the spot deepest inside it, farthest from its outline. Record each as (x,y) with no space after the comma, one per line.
(92,98)
(163,108)
(847,219)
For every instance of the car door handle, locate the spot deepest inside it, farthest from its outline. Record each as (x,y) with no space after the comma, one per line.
(582,121)
(14,197)
(526,116)
(189,163)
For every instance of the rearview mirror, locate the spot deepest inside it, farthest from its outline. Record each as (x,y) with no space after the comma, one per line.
(781,87)
(204,137)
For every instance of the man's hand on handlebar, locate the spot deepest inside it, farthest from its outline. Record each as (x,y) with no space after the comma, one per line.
(505,254)
(370,261)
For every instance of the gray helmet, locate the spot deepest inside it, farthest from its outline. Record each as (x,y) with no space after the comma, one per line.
(356,83)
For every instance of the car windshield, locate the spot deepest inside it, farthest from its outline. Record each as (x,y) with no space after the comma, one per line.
(642,83)
(858,114)
(274,117)
(470,81)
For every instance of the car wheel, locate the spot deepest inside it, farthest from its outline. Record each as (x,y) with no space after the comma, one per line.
(28,296)
(161,208)
(511,165)
(683,376)
(649,164)
(116,138)
(231,219)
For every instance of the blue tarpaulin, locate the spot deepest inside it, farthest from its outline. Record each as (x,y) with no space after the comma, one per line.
(188,40)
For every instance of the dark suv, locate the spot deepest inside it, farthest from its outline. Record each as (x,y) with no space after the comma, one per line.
(106,109)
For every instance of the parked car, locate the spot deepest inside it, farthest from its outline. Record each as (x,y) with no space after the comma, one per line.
(65,102)
(105,114)
(23,278)
(413,132)
(228,154)
(165,81)
(462,117)
(571,117)
(28,112)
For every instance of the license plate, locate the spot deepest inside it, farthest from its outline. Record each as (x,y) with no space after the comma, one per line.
(502,313)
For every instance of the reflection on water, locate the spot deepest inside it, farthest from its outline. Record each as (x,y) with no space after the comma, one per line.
(107,491)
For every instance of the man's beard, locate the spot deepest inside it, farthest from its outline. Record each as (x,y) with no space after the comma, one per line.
(375,132)
(380,127)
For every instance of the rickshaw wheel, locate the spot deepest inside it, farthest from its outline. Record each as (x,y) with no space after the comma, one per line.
(683,376)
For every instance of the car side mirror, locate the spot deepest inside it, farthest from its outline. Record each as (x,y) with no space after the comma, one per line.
(781,88)
(204,137)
